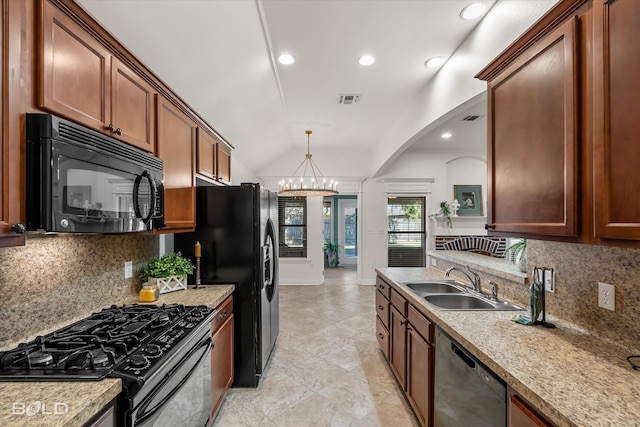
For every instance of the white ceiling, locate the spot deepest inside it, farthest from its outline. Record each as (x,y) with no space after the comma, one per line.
(219,56)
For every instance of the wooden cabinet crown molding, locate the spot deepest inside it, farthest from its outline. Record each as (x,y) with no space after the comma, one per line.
(556,15)
(76,13)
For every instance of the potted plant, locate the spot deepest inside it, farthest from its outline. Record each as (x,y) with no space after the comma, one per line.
(169,272)
(445,212)
(518,252)
(331,249)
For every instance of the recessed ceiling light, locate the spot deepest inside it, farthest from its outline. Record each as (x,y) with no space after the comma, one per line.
(366,60)
(286,59)
(473,11)
(434,62)
(446,135)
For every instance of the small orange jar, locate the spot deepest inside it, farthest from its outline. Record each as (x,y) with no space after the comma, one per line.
(149,293)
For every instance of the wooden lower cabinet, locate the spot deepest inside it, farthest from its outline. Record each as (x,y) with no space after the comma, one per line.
(408,346)
(398,349)
(419,376)
(521,414)
(221,354)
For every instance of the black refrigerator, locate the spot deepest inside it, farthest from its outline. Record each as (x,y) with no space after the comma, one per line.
(237,227)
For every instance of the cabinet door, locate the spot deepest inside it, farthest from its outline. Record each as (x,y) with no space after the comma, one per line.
(176,148)
(132,109)
(206,159)
(221,364)
(398,348)
(10,147)
(223,164)
(419,376)
(74,78)
(522,415)
(616,95)
(533,139)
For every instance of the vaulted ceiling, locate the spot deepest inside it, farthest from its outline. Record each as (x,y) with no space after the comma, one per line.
(220,56)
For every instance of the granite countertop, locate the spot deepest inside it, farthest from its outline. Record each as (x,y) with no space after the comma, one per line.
(73,403)
(571,376)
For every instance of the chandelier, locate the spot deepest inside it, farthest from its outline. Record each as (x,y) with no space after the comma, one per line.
(310,181)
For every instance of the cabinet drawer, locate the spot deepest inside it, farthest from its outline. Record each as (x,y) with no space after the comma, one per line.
(382,308)
(382,334)
(399,302)
(420,323)
(225,309)
(383,287)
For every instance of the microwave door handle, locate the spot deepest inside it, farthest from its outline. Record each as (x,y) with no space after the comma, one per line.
(136,190)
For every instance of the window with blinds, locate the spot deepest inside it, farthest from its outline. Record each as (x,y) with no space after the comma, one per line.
(292,216)
(406,241)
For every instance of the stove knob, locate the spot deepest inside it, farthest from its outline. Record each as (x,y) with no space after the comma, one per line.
(138,360)
(152,350)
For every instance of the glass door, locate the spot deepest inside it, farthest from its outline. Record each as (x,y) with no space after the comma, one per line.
(348,232)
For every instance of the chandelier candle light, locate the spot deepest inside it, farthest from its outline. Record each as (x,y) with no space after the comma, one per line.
(313,184)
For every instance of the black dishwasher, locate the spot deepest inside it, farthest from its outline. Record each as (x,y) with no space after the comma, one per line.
(466,393)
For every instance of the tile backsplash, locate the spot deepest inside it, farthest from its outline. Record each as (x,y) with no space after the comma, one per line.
(56,279)
(578,269)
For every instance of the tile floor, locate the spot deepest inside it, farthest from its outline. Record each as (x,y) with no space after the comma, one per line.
(326,368)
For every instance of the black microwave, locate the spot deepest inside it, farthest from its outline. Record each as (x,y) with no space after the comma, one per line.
(81,181)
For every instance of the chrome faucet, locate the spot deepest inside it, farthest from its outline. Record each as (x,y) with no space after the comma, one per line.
(475,280)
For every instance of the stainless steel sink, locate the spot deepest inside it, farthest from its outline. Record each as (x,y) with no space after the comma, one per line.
(468,301)
(435,287)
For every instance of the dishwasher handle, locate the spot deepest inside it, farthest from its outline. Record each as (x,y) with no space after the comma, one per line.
(462,355)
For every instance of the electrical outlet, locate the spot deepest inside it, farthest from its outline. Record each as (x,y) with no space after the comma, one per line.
(549,280)
(128,270)
(434,262)
(607,296)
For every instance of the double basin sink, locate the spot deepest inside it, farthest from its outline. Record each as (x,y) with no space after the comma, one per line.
(450,295)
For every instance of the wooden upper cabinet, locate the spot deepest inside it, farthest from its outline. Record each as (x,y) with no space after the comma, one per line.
(223,164)
(132,107)
(10,141)
(75,70)
(82,81)
(206,159)
(176,135)
(616,96)
(533,138)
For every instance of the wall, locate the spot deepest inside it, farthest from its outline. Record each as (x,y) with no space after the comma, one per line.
(454,83)
(308,271)
(57,279)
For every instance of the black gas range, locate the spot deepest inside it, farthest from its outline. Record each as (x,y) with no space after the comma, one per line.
(153,349)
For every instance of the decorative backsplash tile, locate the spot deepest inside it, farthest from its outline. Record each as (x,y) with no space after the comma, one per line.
(56,279)
(578,269)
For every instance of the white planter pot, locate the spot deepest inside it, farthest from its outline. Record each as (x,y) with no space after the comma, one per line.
(169,284)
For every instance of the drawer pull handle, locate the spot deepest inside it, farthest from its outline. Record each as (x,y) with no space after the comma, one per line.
(381,336)
(403,322)
(381,308)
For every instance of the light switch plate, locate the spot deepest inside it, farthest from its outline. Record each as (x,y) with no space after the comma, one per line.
(434,262)
(128,270)
(607,296)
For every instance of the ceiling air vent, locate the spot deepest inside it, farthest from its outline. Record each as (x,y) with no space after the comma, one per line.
(471,118)
(348,99)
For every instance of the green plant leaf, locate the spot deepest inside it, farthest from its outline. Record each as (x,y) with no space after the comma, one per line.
(167,265)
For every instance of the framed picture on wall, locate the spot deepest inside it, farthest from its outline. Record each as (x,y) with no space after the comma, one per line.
(470,199)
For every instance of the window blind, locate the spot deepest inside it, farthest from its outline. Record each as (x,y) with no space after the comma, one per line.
(406,243)
(292,218)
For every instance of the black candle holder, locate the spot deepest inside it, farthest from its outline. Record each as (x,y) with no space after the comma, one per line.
(539,272)
(198,285)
